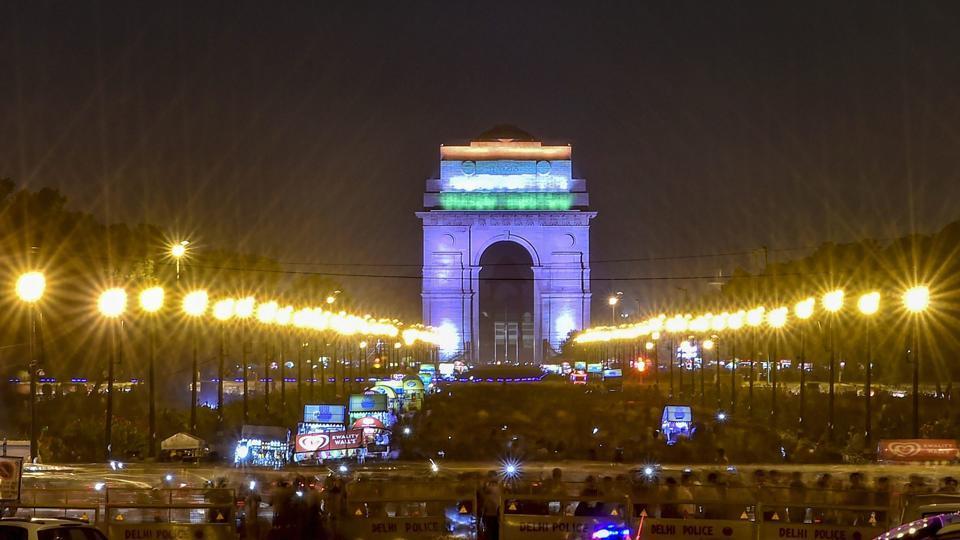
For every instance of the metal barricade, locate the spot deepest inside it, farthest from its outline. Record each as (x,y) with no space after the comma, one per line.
(374,511)
(84,505)
(534,517)
(170,514)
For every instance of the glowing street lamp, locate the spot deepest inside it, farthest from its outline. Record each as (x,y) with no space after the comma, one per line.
(151,301)
(832,301)
(111,304)
(222,311)
(803,310)
(243,309)
(735,322)
(612,302)
(30,287)
(916,300)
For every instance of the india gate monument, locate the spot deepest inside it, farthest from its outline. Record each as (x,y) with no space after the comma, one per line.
(506,248)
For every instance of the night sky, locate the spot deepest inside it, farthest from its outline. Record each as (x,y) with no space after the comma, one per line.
(306,130)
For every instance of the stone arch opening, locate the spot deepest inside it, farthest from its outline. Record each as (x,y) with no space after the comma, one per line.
(507,319)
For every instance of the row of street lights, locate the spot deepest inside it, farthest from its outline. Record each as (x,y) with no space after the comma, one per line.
(915,301)
(113,304)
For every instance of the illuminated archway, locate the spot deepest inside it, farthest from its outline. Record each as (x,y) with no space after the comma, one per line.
(506,190)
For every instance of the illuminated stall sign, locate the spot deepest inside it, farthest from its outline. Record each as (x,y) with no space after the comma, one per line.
(368,403)
(325,414)
(333,440)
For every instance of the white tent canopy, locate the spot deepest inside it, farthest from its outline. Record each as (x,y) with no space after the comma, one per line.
(182,441)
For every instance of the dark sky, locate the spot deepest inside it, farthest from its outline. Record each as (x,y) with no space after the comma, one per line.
(306,130)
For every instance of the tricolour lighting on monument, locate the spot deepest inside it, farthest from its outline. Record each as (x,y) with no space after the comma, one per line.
(549,201)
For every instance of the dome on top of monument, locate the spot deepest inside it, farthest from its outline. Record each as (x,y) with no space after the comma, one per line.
(505,132)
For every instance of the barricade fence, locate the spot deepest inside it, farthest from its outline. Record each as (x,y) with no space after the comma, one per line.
(370,512)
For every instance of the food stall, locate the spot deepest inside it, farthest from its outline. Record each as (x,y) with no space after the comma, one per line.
(677,422)
(323,418)
(183,446)
(262,446)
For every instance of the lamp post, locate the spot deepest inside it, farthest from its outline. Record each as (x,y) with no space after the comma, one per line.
(30,287)
(754,318)
(612,302)
(222,312)
(194,307)
(363,360)
(178,251)
(283,319)
(776,320)
(151,300)
(266,315)
(868,304)
(832,302)
(916,300)
(710,344)
(242,311)
(734,322)
(111,304)
(803,310)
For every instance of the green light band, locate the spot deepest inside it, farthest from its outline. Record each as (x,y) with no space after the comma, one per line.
(506,201)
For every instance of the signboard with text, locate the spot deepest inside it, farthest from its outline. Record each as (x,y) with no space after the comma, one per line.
(917,450)
(11,471)
(814,531)
(701,529)
(333,440)
(171,531)
(531,527)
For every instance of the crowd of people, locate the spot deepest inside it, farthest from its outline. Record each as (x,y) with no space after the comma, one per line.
(322,507)
(562,421)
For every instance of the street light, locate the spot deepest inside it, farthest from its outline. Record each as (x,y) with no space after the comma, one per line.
(734,322)
(612,302)
(266,313)
(222,312)
(151,301)
(803,310)
(832,302)
(776,320)
(111,304)
(868,305)
(178,251)
(243,310)
(754,319)
(916,300)
(30,287)
(195,306)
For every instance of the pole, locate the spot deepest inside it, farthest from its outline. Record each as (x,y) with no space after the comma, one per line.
(833,362)
(151,374)
(703,389)
(31,351)
(717,358)
(114,357)
(283,376)
(266,375)
(916,379)
(299,374)
(221,360)
(803,372)
(753,352)
(734,382)
(774,366)
(868,390)
(194,383)
(246,369)
(673,360)
(656,366)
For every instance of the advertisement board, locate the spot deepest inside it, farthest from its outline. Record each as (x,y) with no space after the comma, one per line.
(325,414)
(368,403)
(11,472)
(333,440)
(917,450)
(612,373)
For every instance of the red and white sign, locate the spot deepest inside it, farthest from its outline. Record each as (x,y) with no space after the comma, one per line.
(332,440)
(918,450)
